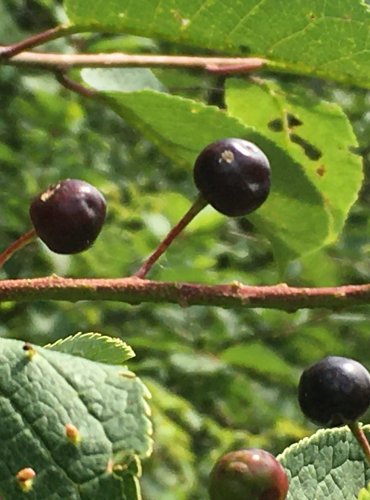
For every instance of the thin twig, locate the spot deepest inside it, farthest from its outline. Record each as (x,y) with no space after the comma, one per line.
(135,291)
(197,206)
(9,51)
(73,85)
(118,59)
(21,242)
(233,68)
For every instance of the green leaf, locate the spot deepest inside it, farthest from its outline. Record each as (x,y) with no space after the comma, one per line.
(95,347)
(317,134)
(201,364)
(294,206)
(364,493)
(329,464)
(41,391)
(8,28)
(311,37)
(259,358)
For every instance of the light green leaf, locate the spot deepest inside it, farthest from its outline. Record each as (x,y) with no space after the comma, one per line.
(121,79)
(41,391)
(364,493)
(317,135)
(184,127)
(329,464)
(259,358)
(312,37)
(95,347)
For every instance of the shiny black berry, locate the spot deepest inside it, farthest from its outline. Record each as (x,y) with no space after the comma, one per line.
(334,391)
(233,175)
(251,474)
(68,216)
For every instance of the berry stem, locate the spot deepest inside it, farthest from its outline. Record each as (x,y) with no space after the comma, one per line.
(359,434)
(69,84)
(21,242)
(197,206)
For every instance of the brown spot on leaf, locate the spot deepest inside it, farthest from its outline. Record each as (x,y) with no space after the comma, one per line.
(29,350)
(72,433)
(321,170)
(25,478)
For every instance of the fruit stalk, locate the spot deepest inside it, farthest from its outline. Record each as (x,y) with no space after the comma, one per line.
(21,242)
(359,434)
(197,206)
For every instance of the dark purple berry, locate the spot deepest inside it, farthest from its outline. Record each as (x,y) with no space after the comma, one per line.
(68,216)
(251,474)
(334,391)
(233,175)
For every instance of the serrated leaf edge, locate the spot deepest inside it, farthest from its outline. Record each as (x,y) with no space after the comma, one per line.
(114,341)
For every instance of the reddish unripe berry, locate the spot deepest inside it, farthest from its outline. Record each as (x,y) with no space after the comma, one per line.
(249,473)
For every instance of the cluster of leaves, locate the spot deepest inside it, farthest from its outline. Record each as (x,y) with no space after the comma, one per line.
(246,363)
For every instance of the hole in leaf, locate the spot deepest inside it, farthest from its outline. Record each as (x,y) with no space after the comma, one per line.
(275,125)
(293,121)
(244,49)
(134,224)
(223,261)
(216,94)
(309,149)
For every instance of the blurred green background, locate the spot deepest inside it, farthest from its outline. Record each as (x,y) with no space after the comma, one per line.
(220,379)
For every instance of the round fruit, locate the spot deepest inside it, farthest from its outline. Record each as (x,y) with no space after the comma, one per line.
(334,391)
(251,474)
(68,216)
(233,175)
